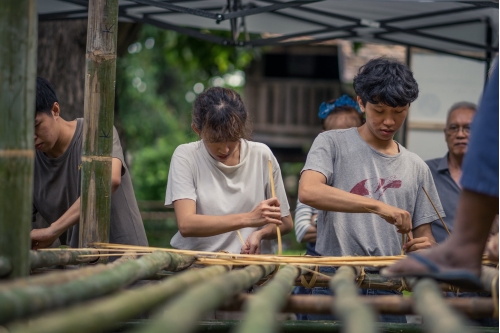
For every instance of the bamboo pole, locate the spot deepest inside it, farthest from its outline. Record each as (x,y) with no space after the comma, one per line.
(261,310)
(40,259)
(103,314)
(356,316)
(53,278)
(19,302)
(438,317)
(183,314)
(5,266)
(99,102)
(298,326)
(18,36)
(472,307)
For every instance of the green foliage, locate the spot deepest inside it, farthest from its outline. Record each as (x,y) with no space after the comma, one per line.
(155,80)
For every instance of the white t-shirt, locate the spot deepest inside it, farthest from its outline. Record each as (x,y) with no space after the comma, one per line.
(220,190)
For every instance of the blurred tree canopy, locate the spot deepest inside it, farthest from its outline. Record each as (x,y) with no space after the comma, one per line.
(157,80)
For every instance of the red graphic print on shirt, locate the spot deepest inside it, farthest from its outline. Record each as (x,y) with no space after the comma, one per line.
(375,187)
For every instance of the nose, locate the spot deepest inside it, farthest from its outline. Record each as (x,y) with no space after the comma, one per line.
(461,133)
(389,121)
(224,149)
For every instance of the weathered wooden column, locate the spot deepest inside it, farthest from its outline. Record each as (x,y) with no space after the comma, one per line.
(18,36)
(98,128)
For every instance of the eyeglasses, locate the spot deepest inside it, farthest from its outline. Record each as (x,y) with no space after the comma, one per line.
(454,129)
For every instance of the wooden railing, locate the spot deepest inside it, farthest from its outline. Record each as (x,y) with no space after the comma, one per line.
(285,111)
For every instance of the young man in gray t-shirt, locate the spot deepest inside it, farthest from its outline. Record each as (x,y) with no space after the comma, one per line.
(350,171)
(57,177)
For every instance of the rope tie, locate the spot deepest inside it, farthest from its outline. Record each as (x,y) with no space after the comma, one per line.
(361,278)
(312,281)
(404,286)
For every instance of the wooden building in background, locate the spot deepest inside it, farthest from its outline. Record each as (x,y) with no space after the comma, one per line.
(283,92)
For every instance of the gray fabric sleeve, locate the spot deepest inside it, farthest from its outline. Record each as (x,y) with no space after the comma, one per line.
(180,182)
(424,212)
(117,149)
(303,214)
(321,156)
(280,188)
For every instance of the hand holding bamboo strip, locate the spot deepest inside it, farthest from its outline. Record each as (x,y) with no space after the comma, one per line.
(273,194)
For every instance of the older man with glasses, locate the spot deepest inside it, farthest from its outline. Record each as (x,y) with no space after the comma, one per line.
(447,170)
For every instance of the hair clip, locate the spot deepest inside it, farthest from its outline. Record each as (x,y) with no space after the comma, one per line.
(326,108)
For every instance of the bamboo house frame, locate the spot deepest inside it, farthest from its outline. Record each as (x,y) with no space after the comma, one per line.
(92,296)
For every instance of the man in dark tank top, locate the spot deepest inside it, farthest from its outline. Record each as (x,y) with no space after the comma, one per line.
(57,178)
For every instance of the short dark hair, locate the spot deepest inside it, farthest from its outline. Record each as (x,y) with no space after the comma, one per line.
(45,96)
(219,115)
(385,81)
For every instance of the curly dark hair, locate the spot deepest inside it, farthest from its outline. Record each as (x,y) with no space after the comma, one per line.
(220,116)
(386,81)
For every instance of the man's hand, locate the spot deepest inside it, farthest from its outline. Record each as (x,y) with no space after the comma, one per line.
(42,238)
(400,218)
(252,245)
(418,244)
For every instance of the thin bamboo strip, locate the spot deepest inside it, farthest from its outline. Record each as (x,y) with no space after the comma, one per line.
(182,315)
(260,312)
(240,237)
(103,314)
(273,193)
(438,317)
(435,209)
(357,317)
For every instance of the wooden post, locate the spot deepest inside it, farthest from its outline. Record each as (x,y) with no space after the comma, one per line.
(18,36)
(356,316)
(98,127)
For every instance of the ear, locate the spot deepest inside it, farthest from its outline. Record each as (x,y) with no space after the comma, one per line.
(195,129)
(360,103)
(55,110)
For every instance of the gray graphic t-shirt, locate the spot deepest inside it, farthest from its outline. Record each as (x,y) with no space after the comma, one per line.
(350,164)
(57,186)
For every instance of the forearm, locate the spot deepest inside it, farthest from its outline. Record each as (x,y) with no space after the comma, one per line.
(68,219)
(310,235)
(269,231)
(324,197)
(196,225)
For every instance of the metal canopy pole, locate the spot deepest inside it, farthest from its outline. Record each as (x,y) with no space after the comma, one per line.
(18,33)
(489,54)
(95,209)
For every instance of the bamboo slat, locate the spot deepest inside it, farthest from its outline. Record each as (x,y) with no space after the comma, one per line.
(18,36)
(260,312)
(473,307)
(40,259)
(99,101)
(438,317)
(19,302)
(347,304)
(183,314)
(103,314)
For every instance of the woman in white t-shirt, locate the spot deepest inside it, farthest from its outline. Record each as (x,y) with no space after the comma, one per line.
(221,184)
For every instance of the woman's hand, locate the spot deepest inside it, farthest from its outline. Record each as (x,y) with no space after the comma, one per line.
(268,211)
(252,245)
